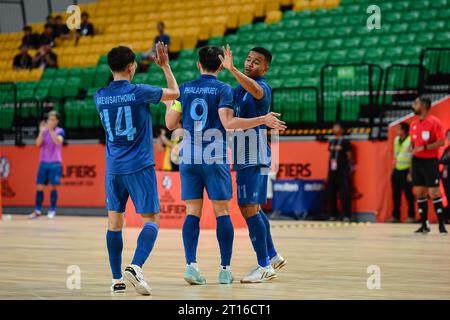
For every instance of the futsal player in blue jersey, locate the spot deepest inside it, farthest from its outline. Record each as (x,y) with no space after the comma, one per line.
(205,108)
(125,115)
(252,98)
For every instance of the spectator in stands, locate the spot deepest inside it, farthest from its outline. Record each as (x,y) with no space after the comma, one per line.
(45,58)
(47,37)
(339,174)
(146,60)
(60,29)
(171,148)
(445,161)
(23,60)
(401,174)
(30,39)
(86,28)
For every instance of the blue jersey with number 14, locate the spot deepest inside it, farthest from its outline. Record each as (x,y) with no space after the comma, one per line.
(201,100)
(125,115)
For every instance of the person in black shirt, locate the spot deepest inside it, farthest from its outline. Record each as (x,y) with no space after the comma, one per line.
(47,37)
(146,57)
(60,29)
(23,60)
(30,39)
(45,58)
(339,174)
(445,174)
(86,28)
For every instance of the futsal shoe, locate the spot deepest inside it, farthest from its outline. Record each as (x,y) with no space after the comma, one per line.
(51,214)
(34,215)
(135,276)
(260,274)
(424,229)
(118,286)
(442,229)
(278,262)
(193,276)
(225,276)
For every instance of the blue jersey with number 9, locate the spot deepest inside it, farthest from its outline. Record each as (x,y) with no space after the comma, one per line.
(125,115)
(201,100)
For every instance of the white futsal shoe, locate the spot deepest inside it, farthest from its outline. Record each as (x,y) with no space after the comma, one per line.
(278,262)
(34,215)
(135,276)
(260,274)
(118,286)
(51,214)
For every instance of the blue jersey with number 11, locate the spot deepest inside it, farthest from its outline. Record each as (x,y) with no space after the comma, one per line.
(201,100)
(125,115)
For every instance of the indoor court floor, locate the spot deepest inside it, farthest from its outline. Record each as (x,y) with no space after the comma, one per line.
(325,261)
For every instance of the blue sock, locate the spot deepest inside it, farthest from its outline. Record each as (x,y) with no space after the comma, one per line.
(191,232)
(114,243)
(53,199)
(225,236)
(39,199)
(145,243)
(270,246)
(258,236)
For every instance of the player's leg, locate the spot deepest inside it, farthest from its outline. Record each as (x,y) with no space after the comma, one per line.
(225,238)
(116,199)
(41,181)
(433,179)
(192,192)
(55,180)
(276,260)
(436,197)
(114,243)
(421,191)
(142,187)
(248,200)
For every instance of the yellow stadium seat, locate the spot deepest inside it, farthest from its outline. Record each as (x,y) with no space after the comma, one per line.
(273,16)
(246,14)
(190,38)
(272,5)
(175,43)
(218,29)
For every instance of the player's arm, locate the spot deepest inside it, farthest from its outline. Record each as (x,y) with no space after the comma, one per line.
(57,138)
(230,122)
(250,85)
(173,114)
(40,136)
(162,59)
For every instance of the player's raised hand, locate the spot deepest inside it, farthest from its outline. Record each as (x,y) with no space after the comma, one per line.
(42,126)
(273,122)
(227,58)
(162,55)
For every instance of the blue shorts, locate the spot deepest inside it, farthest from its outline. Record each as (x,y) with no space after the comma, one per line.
(141,186)
(251,185)
(216,178)
(49,173)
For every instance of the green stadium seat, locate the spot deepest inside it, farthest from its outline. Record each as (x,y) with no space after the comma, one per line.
(298,46)
(406,39)
(320,57)
(102,60)
(307,23)
(333,44)
(281,47)
(419,5)
(41,93)
(435,26)
(44,83)
(387,40)
(57,88)
(399,28)
(302,57)
(356,55)
(6,117)
(343,32)
(49,73)
(315,45)
(87,78)
(350,43)
(338,56)
(102,76)
(282,58)
(310,34)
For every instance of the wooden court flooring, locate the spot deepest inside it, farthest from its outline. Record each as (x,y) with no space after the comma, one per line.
(325,261)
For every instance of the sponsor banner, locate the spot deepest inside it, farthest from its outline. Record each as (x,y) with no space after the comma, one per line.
(173,209)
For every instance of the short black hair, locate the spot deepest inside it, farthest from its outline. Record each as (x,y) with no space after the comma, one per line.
(209,58)
(27,28)
(85,14)
(266,53)
(161,23)
(425,101)
(119,57)
(58,17)
(405,127)
(48,25)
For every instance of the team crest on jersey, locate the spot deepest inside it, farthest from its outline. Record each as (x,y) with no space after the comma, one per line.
(425,135)
(167,182)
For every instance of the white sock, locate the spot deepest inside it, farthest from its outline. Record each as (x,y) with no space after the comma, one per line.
(228,268)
